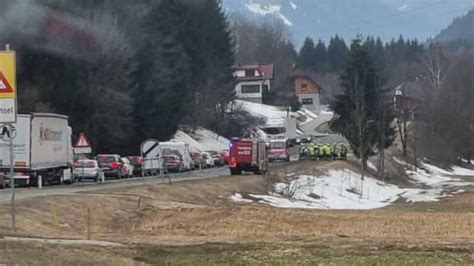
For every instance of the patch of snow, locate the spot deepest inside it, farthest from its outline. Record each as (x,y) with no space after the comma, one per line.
(424,177)
(268,9)
(435,169)
(371,165)
(293,5)
(285,20)
(265,111)
(202,140)
(459,191)
(344,189)
(237,197)
(460,171)
(422,195)
(309,113)
(324,112)
(429,175)
(339,189)
(263,9)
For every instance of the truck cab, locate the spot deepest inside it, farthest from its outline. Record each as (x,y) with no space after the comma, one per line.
(279,150)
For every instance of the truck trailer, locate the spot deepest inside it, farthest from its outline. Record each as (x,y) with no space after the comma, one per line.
(42,148)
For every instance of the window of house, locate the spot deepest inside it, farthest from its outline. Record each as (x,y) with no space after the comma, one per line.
(250,73)
(304,86)
(307,101)
(250,88)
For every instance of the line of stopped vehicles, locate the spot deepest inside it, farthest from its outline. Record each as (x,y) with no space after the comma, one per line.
(43,154)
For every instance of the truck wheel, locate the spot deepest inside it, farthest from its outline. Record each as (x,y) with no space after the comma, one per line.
(235,171)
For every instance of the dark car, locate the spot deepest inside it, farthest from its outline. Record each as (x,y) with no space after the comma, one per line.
(111,165)
(173,163)
(137,162)
(218,158)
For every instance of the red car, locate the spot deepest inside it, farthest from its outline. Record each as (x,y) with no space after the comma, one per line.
(225,154)
(173,163)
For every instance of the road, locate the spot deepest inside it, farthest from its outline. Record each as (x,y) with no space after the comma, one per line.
(25,193)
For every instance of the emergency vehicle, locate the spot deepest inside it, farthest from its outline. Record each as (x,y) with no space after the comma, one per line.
(279,150)
(248,155)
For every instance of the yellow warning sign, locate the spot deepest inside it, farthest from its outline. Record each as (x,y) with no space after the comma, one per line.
(8,108)
(7,75)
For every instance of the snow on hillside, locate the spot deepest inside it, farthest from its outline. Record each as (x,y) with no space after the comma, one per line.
(268,9)
(432,175)
(268,112)
(341,189)
(202,140)
(462,171)
(344,189)
(293,5)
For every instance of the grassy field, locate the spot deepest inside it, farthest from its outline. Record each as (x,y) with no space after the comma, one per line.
(194,223)
(264,254)
(231,254)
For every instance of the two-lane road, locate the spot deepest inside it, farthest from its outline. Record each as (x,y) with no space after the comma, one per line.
(25,193)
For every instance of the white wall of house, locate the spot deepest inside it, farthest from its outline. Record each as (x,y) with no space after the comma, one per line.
(241,73)
(309,101)
(251,90)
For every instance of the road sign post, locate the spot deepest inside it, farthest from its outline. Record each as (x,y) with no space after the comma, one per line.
(8,111)
(12,179)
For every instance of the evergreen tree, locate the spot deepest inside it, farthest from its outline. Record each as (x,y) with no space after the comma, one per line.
(207,41)
(360,116)
(337,54)
(306,58)
(320,57)
(164,73)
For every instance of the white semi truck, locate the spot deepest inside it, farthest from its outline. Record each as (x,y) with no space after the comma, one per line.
(280,128)
(42,150)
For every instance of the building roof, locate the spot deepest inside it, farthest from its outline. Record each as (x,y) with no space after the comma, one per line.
(299,73)
(265,70)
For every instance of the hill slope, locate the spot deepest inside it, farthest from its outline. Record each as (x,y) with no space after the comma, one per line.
(462,28)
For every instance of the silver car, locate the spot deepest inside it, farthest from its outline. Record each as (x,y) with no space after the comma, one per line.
(88,170)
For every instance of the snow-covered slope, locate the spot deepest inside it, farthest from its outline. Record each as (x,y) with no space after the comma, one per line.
(344,189)
(202,140)
(268,112)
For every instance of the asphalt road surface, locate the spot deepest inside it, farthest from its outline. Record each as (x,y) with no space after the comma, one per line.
(29,192)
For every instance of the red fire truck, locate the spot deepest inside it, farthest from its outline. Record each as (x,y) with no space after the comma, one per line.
(248,155)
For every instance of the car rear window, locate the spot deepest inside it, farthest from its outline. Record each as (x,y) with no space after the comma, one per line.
(86,164)
(106,159)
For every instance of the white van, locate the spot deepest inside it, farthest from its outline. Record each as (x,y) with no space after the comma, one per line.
(177,148)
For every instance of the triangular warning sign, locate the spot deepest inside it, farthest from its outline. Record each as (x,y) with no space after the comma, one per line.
(4,84)
(82,141)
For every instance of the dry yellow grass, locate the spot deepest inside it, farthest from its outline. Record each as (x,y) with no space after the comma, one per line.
(199,211)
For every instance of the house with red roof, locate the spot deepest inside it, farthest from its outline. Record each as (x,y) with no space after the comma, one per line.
(251,81)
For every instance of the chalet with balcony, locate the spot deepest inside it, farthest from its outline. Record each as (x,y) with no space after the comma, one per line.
(252,80)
